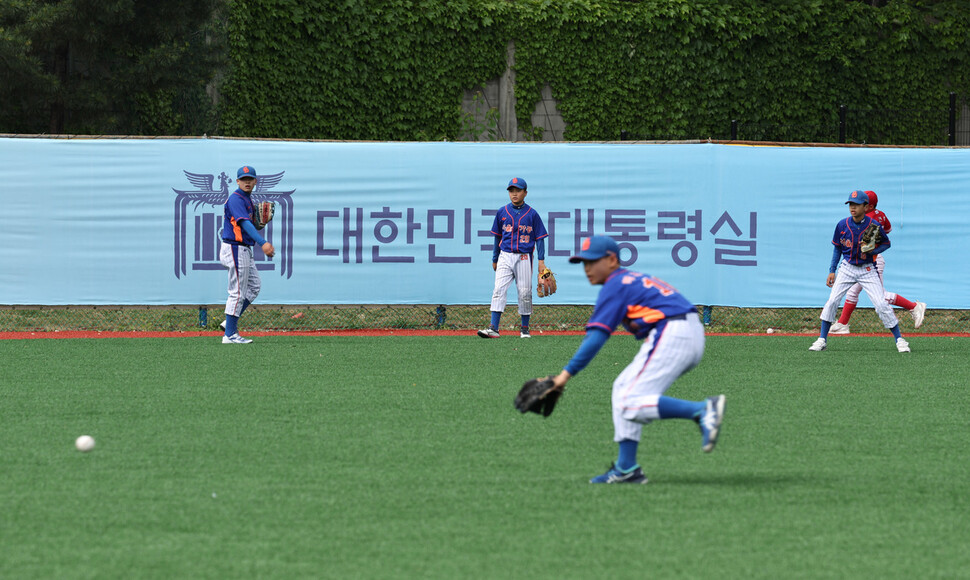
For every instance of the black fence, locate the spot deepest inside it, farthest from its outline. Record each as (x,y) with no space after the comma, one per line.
(926,127)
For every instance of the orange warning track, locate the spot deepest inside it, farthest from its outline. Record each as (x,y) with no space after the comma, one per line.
(388,332)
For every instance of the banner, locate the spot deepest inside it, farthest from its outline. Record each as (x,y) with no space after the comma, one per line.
(138,221)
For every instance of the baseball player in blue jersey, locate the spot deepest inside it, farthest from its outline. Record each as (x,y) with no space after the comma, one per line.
(857,267)
(673,343)
(518,230)
(238,236)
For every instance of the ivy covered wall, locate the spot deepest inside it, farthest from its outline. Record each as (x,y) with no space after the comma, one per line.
(396,69)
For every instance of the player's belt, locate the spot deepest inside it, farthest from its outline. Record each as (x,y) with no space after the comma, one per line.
(677,317)
(235,243)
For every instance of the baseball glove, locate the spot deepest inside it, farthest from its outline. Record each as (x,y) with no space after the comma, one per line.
(547,283)
(263,213)
(539,396)
(870,238)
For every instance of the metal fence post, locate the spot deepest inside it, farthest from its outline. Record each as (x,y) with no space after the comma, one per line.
(441,315)
(952,140)
(843,110)
(707,315)
(203,316)
(734,129)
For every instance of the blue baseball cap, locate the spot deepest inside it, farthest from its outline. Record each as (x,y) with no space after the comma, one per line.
(518,183)
(246,171)
(594,248)
(858,196)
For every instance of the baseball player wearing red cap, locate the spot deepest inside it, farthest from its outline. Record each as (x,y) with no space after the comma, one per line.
(518,231)
(856,267)
(916,309)
(238,236)
(673,344)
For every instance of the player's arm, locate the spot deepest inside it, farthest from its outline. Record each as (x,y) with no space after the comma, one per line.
(541,253)
(249,228)
(592,343)
(496,249)
(836,254)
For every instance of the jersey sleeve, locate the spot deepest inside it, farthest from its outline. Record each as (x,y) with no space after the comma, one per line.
(609,310)
(539,228)
(496,226)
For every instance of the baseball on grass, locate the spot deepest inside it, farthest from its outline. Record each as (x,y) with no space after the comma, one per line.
(770,331)
(84,443)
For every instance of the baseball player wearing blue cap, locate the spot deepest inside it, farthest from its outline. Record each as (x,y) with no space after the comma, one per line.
(856,267)
(917,309)
(518,231)
(673,344)
(238,236)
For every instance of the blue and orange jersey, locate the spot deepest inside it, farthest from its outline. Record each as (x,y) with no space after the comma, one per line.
(637,301)
(519,228)
(848,238)
(239,206)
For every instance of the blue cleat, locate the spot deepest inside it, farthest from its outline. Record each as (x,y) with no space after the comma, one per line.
(710,422)
(614,475)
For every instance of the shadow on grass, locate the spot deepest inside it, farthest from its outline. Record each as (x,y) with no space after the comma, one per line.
(732,479)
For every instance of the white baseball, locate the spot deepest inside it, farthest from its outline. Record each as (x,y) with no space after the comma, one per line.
(770,331)
(84,443)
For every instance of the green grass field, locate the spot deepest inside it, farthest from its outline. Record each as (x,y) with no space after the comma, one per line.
(402,457)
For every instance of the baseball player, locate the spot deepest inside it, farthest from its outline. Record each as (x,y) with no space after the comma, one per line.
(518,230)
(673,343)
(856,267)
(238,236)
(917,309)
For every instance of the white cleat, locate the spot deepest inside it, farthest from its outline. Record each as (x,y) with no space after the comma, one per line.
(902,345)
(839,328)
(235,339)
(818,345)
(488,333)
(918,314)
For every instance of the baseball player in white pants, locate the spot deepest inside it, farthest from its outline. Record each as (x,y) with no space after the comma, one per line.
(238,237)
(518,231)
(673,344)
(916,309)
(856,267)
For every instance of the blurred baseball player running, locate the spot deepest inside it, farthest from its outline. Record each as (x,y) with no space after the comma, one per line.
(673,344)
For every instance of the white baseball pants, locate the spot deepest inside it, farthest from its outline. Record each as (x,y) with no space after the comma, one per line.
(666,354)
(511,267)
(868,276)
(853,294)
(244,282)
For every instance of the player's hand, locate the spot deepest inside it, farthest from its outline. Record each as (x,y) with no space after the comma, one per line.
(495,266)
(269,250)
(830,280)
(561,379)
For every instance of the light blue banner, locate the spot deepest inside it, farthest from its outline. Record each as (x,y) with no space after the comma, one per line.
(128,221)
